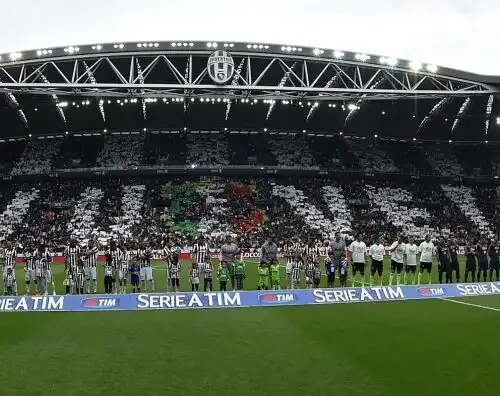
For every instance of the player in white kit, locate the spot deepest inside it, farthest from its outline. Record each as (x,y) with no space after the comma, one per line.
(426,250)
(9,265)
(358,250)
(411,251)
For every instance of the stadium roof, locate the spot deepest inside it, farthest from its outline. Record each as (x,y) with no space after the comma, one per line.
(167,85)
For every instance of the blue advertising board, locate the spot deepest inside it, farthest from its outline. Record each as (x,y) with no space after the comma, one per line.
(167,301)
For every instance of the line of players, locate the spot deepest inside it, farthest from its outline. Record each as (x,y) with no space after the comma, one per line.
(479,259)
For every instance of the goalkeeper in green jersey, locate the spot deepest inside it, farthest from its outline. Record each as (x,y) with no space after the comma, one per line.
(274,274)
(263,276)
(239,273)
(223,275)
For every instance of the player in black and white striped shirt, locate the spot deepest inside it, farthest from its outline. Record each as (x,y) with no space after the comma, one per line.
(174,272)
(116,259)
(9,263)
(90,261)
(123,269)
(201,251)
(207,275)
(146,273)
(29,268)
(44,269)
(311,251)
(71,254)
(166,254)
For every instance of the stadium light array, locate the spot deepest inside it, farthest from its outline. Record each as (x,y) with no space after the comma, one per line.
(498,120)
(71,50)
(362,57)
(388,61)
(97,47)
(317,51)
(120,46)
(146,45)
(352,107)
(15,56)
(338,54)
(230,45)
(185,44)
(288,49)
(432,68)
(44,52)
(211,45)
(414,65)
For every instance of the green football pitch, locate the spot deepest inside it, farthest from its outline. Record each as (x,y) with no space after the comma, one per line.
(392,348)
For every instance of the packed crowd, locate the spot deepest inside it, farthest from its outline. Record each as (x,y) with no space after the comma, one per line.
(130,150)
(251,210)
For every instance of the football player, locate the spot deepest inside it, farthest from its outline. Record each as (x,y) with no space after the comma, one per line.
(91,265)
(29,269)
(123,269)
(194,277)
(174,271)
(10,256)
(145,255)
(79,276)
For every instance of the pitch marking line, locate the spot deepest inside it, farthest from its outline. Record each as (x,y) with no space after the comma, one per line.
(471,305)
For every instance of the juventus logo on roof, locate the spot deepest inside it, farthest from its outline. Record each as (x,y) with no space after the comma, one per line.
(220,67)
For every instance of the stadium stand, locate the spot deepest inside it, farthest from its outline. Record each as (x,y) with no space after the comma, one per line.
(37,157)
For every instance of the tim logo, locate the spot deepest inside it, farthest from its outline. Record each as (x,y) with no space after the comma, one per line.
(431,291)
(220,67)
(277,298)
(100,303)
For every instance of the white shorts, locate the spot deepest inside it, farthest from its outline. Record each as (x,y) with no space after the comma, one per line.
(29,276)
(195,281)
(91,273)
(122,274)
(48,276)
(146,273)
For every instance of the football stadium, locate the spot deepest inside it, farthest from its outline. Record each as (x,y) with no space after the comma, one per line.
(228,217)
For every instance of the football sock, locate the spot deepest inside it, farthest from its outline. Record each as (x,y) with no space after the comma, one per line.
(152,285)
(371,279)
(390,278)
(405,278)
(398,277)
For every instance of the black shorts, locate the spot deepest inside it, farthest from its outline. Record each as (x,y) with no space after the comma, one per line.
(377,266)
(396,267)
(174,282)
(230,267)
(494,265)
(425,266)
(455,266)
(411,268)
(331,278)
(358,267)
(482,265)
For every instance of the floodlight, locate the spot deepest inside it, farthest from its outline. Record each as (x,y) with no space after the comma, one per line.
(375,136)
(255,46)
(139,45)
(282,48)
(15,56)
(191,44)
(173,44)
(250,46)
(414,65)
(145,129)
(352,107)
(261,46)
(414,139)
(449,141)
(392,61)
(338,54)
(39,52)
(362,57)
(288,48)
(265,129)
(383,112)
(317,51)
(432,68)
(183,44)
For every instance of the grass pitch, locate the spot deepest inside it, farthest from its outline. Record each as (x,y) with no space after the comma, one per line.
(395,348)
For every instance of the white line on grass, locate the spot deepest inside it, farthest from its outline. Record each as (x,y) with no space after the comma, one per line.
(471,305)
